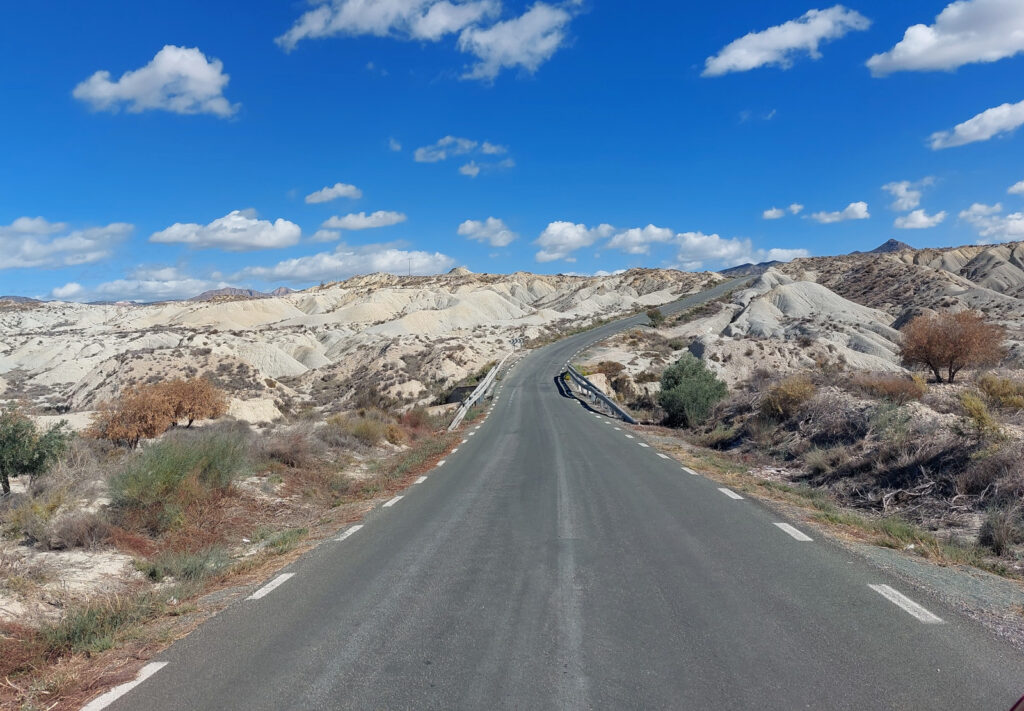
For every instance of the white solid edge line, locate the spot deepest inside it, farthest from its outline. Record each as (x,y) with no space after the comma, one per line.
(906,604)
(643,444)
(349,532)
(421,480)
(663,456)
(269,587)
(392,502)
(730,493)
(105,699)
(687,469)
(794,532)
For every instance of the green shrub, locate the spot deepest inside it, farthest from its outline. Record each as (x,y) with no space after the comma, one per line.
(688,392)
(153,487)
(977,412)
(1002,392)
(784,399)
(95,626)
(24,450)
(183,565)
(656,317)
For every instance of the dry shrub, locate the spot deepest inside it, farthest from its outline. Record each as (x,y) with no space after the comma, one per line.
(293,448)
(76,529)
(395,434)
(784,399)
(194,399)
(367,430)
(946,343)
(825,461)
(977,412)
(1002,529)
(892,387)
(418,419)
(831,418)
(609,367)
(1002,392)
(995,473)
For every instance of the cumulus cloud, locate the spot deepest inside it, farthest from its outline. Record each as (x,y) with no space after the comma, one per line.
(774,213)
(697,249)
(346,261)
(403,19)
(493,231)
(1016,188)
(447,146)
(326,236)
(238,231)
(141,284)
(795,209)
(992,225)
(779,45)
(36,242)
(178,79)
(68,292)
(394,145)
(333,192)
(362,221)
(853,211)
(907,193)
(471,169)
(987,124)
(450,146)
(638,240)
(965,32)
(526,41)
(560,239)
(919,220)
(493,149)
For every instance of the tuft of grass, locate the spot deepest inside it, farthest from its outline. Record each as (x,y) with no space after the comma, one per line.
(784,399)
(977,412)
(284,541)
(182,565)
(1002,392)
(96,626)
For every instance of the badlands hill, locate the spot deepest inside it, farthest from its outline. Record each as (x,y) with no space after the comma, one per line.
(375,336)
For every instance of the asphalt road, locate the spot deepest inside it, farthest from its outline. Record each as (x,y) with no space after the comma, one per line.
(553,562)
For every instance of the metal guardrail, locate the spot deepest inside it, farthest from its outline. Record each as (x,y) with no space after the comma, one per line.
(480,390)
(595,392)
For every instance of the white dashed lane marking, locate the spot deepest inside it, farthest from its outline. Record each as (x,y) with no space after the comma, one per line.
(905,603)
(270,587)
(690,471)
(794,532)
(104,700)
(643,444)
(730,493)
(392,502)
(663,456)
(421,480)
(441,463)
(629,436)
(349,532)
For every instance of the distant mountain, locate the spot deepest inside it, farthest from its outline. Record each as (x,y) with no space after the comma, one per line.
(893,245)
(20,299)
(230,292)
(282,291)
(748,269)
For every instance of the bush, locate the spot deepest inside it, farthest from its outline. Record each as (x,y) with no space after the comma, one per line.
(1001,530)
(977,412)
(656,317)
(688,392)
(194,399)
(94,627)
(1002,392)
(138,413)
(152,489)
(24,450)
(824,461)
(609,367)
(183,565)
(785,398)
(892,388)
(77,529)
(292,448)
(946,343)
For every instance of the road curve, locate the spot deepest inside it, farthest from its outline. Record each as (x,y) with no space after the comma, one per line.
(553,562)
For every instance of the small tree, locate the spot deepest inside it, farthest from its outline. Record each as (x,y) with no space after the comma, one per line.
(195,399)
(688,392)
(26,450)
(140,412)
(949,342)
(656,317)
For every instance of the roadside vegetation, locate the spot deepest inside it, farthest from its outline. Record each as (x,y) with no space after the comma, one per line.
(184,510)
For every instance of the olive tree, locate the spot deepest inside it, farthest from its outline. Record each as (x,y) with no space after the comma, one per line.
(24,449)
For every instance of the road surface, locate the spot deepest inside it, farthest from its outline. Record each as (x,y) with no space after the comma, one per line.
(553,562)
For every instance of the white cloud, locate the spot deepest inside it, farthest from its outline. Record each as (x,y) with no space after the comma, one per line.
(778,45)
(907,193)
(394,145)
(346,261)
(178,79)
(472,169)
(853,211)
(638,240)
(447,146)
(35,242)
(142,284)
(989,123)
(560,239)
(795,209)
(526,41)
(965,32)
(333,192)
(1016,188)
(362,221)
(493,231)
(238,231)
(773,213)
(493,149)
(992,225)
(919,220)
(404,19)
(326,236)
(697,249)
(67,292)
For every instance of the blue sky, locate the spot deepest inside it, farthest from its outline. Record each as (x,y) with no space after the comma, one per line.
(152,150)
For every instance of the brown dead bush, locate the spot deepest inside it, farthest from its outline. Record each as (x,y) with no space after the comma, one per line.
(946,343)
(784,399)
(891,387)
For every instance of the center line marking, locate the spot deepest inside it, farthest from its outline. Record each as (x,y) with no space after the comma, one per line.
(421,480)
(730,493)
(794,532)
(104,700)
(392,502)
(269,587)
(349,532)
(905,603)
(663,456)
(643,444)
